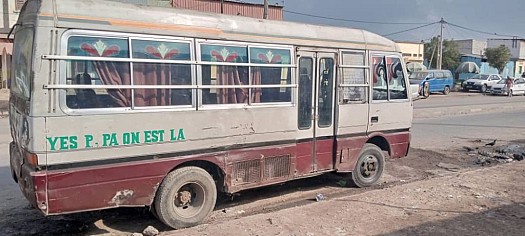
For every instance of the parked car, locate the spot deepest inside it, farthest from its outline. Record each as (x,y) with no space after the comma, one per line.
(481,82)
(518,87)
(432,81)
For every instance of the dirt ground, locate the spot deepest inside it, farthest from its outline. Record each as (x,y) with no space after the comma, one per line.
(426,192)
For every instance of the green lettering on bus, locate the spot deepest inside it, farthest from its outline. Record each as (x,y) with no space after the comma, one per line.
(89,139)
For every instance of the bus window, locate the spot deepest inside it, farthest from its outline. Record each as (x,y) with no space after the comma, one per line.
(353,82)
(388,77)
(98,72)
(161,73)
(379,78)
(270,75)
(305,92)
(221,75)
(397,87)
(325,104)
(22,55)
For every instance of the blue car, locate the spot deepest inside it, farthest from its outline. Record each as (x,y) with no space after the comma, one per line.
(432,81)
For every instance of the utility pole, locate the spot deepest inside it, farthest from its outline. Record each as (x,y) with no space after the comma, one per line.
(265,14)
(222,6)
(440,53)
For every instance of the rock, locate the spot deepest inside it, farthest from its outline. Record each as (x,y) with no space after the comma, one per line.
(150,231)
(136,234)
(449,167)
(319,197)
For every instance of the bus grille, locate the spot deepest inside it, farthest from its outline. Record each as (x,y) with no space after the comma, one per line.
(276,167)
(247,171)
(250,171)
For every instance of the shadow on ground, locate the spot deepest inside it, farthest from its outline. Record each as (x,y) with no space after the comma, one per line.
(507,220)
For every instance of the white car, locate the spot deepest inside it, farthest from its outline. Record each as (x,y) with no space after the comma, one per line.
(518,87)
(481,82)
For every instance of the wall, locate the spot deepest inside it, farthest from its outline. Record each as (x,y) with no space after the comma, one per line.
(471,46)
(231,8)
(412,52)
(517,47)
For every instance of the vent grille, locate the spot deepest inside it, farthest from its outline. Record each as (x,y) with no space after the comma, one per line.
(250,171)
(277,167)
(247,172)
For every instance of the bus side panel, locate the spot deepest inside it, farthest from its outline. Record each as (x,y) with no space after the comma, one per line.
(348,149)
(109,186)
(399,143)
(304,158)
(324,157)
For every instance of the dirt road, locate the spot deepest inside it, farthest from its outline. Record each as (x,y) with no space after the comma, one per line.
(488,201)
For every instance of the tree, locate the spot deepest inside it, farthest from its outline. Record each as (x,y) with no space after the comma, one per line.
(450,53)
(498,57)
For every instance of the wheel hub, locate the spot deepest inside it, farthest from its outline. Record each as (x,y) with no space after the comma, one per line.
(184,198)
(369,167)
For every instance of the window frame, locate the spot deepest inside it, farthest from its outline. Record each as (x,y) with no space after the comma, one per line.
(195,62)
(366,67)
(292,66)
(64,58)
(373,54)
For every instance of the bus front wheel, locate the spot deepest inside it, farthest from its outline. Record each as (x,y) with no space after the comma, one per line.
(186,197)
(369,166)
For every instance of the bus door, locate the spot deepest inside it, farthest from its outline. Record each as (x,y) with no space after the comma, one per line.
(315,111)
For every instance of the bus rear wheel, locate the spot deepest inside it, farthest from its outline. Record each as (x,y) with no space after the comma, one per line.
(185,198)
(369,166)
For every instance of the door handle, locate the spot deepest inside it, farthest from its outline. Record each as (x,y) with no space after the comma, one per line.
(374,119)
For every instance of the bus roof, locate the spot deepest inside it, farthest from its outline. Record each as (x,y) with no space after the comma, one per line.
(124,17)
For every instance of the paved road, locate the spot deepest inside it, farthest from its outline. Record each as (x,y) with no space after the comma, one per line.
(456,99)
(440,133)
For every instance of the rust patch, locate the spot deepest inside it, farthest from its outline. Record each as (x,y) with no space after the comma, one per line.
(121,196)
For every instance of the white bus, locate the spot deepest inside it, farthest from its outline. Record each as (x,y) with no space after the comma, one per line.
(119,105)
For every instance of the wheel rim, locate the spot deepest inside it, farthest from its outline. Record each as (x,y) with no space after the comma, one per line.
(189,200)
(447,90)
(369,167)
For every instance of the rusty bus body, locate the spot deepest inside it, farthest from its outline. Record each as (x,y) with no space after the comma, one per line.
(109,99)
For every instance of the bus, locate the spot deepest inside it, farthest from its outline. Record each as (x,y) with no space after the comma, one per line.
(121,105)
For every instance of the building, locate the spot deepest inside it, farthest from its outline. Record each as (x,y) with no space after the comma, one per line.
(230,7)
(412,51)
(517,52)
(9,11)
(471,47)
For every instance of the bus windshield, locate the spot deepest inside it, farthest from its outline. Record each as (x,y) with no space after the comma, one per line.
(22,54)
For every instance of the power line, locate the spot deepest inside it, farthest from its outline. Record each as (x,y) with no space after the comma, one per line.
(481,32)
(415,28)
(355,21)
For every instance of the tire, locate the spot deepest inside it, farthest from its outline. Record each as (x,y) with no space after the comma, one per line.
(483,88)
(186,197)
(369,166)
(446,91)
(465,89)
(426,90)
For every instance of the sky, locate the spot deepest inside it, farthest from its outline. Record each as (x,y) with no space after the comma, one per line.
(496,18)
